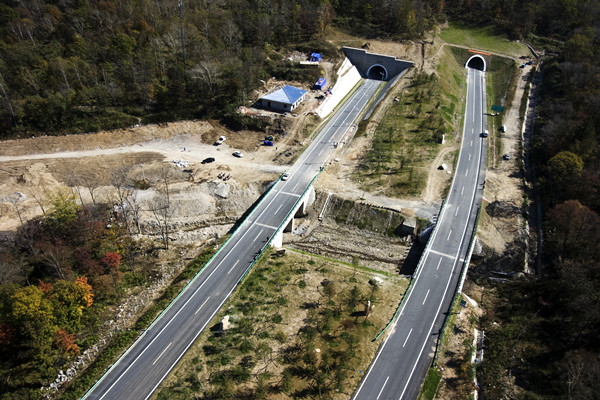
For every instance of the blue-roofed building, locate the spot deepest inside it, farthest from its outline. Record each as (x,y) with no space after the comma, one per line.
(285,99)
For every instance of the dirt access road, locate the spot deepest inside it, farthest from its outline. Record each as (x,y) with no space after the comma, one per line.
(31,169)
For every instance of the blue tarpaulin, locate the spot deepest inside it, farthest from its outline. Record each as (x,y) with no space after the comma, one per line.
(320,83)
(315,57)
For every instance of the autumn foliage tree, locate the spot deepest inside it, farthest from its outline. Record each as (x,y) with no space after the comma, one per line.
(112,262)
(39,313)
(65,342)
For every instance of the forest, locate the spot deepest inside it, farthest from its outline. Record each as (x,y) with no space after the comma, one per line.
(76,66)
(84,66)
(548,340)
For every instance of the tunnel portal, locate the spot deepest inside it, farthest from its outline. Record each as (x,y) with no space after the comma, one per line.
(378,72)
(476,62)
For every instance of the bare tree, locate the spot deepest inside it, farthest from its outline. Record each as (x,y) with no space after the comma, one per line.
(56,255)
(120,180)
(5,97)
(10,269)
(92,183)
(40,195)
(208,73)
(14,200)
(73,180)
(161,208)
(165,174)
(134,209)
(230,33)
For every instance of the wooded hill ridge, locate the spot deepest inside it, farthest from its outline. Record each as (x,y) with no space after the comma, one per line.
(84,66)
(81,66)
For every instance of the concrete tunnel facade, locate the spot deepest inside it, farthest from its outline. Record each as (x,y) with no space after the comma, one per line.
(376,66)
(476,62)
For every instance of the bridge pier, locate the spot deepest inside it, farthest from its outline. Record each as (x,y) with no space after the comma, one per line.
(300,210)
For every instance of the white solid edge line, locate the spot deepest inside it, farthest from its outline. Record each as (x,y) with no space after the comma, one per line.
(447,284)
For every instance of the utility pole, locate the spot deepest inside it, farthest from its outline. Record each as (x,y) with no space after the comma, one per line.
(180,6)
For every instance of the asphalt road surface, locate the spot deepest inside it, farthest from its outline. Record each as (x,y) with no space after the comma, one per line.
(147,363)
(401,363)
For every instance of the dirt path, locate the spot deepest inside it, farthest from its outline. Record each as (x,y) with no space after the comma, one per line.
(437,179)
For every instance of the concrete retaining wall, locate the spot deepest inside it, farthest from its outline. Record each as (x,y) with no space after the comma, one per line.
(347,77)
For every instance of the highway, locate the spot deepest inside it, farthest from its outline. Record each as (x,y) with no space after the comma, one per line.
(142,368)
(402,361)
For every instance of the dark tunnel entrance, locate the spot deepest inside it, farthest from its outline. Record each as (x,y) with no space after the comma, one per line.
(476,62)
(377,72)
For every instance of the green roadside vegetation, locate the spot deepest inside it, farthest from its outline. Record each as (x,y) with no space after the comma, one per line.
(431,383)
(485,38)
(409,136)
(298,329)
(502,79)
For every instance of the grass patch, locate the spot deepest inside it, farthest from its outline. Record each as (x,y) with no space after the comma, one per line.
(408,137)
(486,38)
(298,330)
(310,126)
(431,383)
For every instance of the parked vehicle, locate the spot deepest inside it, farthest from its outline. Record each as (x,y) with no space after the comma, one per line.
(220,140)
(485,133)
(208,160)
(285,176)
(238,154)
(506,156)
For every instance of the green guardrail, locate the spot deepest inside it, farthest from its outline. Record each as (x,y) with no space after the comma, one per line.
(179,294)
(459,286)
(414,276)
(282,224)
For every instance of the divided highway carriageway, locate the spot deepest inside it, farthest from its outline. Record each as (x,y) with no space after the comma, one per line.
(402,361)
(142,368)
